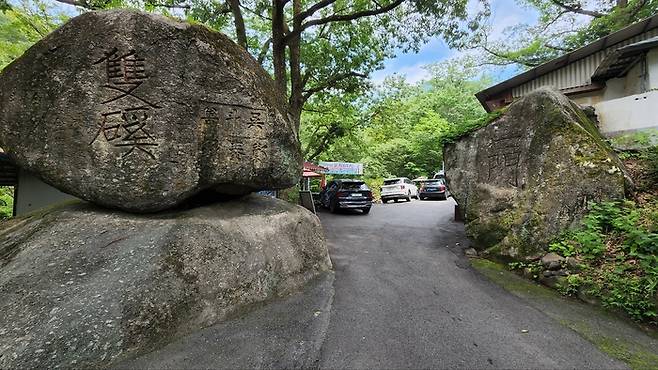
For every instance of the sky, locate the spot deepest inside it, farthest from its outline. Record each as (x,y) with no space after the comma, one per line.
(505,13)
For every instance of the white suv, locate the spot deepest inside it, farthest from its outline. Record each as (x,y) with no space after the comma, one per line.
(398,188)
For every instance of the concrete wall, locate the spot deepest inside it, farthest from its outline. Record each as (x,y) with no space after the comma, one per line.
(652,69)
(630,113)
(33,194)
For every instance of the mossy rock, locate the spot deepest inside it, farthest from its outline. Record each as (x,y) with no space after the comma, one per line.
(530,174)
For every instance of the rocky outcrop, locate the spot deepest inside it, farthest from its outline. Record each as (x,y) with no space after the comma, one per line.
(87,287)
(139,112)
(529,175)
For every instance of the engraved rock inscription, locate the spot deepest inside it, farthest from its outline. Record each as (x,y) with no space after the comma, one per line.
(127,118)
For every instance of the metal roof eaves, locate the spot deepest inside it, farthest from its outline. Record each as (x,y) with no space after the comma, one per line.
(587,50)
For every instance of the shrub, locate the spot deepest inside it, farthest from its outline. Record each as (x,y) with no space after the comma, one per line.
(618,245)
(6,202)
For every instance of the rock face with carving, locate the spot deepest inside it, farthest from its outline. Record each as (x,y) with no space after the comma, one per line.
(139,112)
(528,175)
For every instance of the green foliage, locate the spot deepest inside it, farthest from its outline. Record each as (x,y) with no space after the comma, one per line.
(562,248)
(375,185)
(532,268)
(618,245)
(23,25)
(639,139)
(399,129)
(570,285)
(458,131)
(562,27)
(6,202)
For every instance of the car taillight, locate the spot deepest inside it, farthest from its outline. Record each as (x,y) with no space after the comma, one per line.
(402,187)
(442,187)
(369,195)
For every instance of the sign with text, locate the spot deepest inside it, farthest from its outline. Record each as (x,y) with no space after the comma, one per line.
(342,168)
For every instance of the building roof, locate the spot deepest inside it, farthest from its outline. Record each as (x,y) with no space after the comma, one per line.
(308,166)
(583,52)
(619,62)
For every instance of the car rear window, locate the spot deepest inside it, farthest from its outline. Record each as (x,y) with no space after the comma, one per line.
(392,182)
(433,183)
(354,186)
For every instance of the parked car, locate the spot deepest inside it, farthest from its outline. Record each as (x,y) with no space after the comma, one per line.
(346,194)
(434,188)
(398,188)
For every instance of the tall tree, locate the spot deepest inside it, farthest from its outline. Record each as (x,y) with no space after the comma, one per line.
(316,46)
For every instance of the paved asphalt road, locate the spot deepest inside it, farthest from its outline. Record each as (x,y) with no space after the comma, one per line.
(403,296)
(406,297)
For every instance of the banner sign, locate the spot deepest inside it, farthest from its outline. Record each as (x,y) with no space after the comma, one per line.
(342,168)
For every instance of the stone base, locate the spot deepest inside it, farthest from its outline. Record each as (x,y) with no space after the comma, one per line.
(87,287)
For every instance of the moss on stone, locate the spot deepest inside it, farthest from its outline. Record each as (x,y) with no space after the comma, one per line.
(632,353)
(498,273)
(635,353)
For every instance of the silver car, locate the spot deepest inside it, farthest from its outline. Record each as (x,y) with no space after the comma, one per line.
(398,188)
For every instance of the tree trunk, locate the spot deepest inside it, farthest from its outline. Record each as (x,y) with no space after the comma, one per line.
(279,46)
(238,21)
(296,101)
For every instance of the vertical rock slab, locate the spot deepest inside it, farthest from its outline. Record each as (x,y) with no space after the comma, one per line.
(528,175)
(137,111)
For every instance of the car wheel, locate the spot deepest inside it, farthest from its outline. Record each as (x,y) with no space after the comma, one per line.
(396,200)
(421,198)
(366,210)
(408,198)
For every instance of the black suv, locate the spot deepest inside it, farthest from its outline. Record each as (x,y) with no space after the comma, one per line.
(346,194)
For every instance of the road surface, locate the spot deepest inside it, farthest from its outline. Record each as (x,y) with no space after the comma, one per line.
(402,296)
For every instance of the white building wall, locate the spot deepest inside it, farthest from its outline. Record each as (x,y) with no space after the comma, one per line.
(627,114)
(635,82)
(33,194)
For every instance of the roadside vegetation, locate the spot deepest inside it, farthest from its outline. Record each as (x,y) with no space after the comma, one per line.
(615,247)
(6,202)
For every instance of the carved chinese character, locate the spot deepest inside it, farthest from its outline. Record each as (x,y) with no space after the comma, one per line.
(260,152)
(236,150)
(124,69)
(125,73)
(127,129)
(210,115)
(256,121)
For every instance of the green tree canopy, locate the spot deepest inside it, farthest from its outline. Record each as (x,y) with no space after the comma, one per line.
(563,26)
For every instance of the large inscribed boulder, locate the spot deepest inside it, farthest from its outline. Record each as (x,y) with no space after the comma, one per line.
(138,111)
(86,287)
(529,175)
